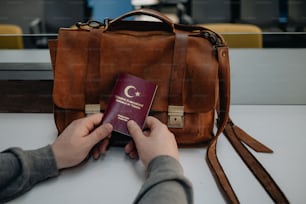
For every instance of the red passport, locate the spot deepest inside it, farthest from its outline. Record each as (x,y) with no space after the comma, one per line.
(131,99)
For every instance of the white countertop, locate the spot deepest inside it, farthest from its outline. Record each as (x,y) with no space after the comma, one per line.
(116,179)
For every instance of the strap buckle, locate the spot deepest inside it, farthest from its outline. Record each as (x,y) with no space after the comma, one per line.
(175,116)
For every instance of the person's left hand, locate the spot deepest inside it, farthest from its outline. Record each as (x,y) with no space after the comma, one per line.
(76,141)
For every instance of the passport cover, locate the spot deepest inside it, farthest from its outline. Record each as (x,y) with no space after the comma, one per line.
(131,99)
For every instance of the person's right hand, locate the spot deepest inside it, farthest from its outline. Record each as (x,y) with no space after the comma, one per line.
(157,141)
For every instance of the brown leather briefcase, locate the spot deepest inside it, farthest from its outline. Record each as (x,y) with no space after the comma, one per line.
(190,65)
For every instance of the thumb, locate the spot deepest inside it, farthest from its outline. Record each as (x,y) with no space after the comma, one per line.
(100,133)
(134,130)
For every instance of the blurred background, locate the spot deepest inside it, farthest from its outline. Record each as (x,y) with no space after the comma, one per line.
(273,74)
(281,23)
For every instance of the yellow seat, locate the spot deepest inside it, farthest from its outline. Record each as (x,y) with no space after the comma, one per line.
(10,42)
(238,35)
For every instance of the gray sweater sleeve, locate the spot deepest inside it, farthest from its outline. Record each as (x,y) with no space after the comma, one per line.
(165,183)
(20,170)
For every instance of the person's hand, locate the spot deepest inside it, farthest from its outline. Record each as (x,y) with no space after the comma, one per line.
(157,141)
(76,141)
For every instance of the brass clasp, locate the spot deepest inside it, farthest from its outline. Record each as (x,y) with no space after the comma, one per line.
(92,108)
(175,116)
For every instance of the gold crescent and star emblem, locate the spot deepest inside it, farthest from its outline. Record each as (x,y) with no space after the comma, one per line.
(130,95)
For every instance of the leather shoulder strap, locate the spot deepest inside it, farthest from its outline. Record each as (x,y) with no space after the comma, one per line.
(236,136)
(223,116)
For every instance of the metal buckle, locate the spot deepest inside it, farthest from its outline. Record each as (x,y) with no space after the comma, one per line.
(175,116)
(92,109)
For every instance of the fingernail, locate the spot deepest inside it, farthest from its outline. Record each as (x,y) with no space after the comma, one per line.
(96,156)
(131,122)
(133,155)
(109,126)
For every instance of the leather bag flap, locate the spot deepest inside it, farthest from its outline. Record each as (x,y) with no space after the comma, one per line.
(146,54)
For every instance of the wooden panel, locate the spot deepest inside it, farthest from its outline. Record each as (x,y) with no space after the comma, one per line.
(26,96)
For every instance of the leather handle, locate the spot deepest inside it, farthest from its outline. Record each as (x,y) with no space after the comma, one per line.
(147,12)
